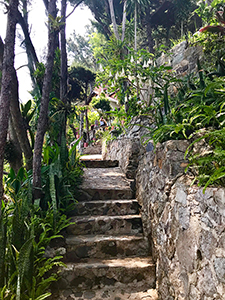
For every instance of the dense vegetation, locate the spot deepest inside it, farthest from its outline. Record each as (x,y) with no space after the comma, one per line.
(39,173)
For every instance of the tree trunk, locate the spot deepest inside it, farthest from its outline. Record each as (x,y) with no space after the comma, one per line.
(81,132)
(43,116)
(86,114)
(7,82)
(17,160)
(64,67)
(135,27)
(1,53)
(18,123)
(87,126)
(16,118)
(115,29)
(124,19)
(64,72)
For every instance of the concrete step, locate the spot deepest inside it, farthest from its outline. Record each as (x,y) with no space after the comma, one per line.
(109,293)
(106,207)
(96,273)
(100,163)
(105,184)
(116,225)
(105,246)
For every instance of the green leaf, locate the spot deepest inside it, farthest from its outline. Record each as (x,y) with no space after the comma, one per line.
(44,296)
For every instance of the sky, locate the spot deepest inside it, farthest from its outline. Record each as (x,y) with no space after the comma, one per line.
(39,34)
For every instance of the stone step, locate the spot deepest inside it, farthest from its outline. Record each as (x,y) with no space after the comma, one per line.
(109,293)
(116,225)
(104,194)
(96,273)
(105,246)
(106,207)
(105,184)
(100,163)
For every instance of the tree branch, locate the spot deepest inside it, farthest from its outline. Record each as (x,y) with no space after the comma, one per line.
(74,8)
(28,42)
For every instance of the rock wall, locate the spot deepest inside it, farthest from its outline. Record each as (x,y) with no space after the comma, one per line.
(126,151)
(182,58)
(185,227)
(128,147)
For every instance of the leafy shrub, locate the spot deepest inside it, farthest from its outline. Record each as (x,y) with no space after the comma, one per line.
(25,232)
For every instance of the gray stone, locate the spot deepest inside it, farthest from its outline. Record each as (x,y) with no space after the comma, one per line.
(67,293)
(89,294)
(206,285)
(219,265)
(181,196)
(207,243)
(186,250)
(214,215)
(149,147)
(78,294)
(184,217)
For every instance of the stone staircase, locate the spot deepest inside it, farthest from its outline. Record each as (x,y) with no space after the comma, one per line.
(107,256)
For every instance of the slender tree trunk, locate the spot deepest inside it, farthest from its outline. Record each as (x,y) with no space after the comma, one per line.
(135,27)
(1,54)
(7,81)
(43,117)
(112,13)
(86,115)
(87,126)
(124,19)
(81,132)
(181,29)
(64,72)
(64,68)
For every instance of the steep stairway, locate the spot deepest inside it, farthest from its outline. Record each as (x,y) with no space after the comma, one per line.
(107,256)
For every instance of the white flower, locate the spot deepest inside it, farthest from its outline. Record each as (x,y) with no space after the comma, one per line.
(122,73)
(149,62)
(100,68)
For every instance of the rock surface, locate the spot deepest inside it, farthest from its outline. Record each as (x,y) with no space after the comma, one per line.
(185,225)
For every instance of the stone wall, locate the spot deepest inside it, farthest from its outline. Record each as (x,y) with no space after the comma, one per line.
(185,226)
(182,58)
(128,147)
(126,151)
